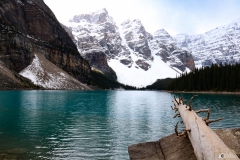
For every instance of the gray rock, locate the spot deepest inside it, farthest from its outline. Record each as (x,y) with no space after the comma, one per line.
(148,150)
(142,64)
(166,47)
(98,60)
(127,62)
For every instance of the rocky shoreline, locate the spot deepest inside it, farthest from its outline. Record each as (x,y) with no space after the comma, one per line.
(172,147)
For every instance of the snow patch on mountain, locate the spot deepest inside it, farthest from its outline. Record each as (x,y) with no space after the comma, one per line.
(43,73)
(135,76)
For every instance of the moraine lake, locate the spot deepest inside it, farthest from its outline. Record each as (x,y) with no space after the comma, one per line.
(92,125)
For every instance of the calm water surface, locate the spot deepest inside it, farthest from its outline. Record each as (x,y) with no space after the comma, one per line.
(95,125)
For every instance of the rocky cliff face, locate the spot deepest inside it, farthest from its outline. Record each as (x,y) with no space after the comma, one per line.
(96,38)
(130,50)
(136,38)
(166,47)
(98,60)
(220,45)
(28,27)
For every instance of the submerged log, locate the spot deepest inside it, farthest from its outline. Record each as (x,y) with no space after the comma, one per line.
(205,142)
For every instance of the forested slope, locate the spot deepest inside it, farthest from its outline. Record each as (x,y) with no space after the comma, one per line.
(215,78)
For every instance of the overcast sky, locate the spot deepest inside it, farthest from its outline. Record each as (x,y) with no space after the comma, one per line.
(175,16)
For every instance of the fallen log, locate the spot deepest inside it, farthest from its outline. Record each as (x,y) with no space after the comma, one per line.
(173,147)
(205,142)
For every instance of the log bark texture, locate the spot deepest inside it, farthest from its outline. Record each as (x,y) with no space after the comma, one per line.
(205,142)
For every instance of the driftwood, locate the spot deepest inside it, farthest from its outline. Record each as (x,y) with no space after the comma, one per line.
(206,144)
(174,147)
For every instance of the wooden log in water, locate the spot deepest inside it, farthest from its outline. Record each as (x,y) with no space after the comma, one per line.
(206,144)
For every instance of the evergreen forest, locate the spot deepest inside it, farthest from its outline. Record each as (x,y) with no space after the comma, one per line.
(212,78)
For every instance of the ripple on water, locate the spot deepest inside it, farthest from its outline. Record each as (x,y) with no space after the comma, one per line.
(95,125)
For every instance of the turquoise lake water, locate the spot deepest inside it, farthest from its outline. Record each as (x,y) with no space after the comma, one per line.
(95,125)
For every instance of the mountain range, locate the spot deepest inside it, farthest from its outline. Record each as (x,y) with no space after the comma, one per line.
(36,51)
(137,57)
(220,45)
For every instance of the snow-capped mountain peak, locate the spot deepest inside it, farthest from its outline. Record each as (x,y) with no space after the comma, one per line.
(220,45)
(98,17)
(135,23)
(161,34)
(137,57)
(135,36)
(133,29)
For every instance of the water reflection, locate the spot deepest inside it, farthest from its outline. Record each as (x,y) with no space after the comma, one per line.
(139,117)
